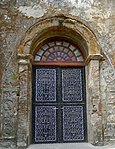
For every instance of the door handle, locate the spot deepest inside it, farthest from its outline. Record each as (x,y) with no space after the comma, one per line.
(55,108)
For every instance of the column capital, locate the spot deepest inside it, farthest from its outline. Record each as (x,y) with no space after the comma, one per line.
(98,57)
(24,59)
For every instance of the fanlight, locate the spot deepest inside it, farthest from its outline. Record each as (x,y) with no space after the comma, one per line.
(59,51)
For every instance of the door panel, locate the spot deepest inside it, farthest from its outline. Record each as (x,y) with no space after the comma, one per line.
(45,123)
(45,85)
(73,123)
(59,108)
(71,85)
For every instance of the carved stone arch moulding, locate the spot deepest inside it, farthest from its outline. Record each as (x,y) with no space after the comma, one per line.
(76,31)
(66,26)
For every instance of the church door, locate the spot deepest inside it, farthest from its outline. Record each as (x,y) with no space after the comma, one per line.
(59,105)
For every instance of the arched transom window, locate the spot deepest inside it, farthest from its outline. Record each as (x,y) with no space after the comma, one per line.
(58,51)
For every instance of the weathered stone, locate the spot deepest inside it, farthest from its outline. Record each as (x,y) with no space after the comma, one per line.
(24,24)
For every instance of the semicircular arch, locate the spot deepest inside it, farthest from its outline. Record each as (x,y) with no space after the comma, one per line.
(68,27)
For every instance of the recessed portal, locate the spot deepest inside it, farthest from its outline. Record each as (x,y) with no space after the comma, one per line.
(59,102)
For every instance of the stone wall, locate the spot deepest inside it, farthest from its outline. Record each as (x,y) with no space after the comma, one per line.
(17,16)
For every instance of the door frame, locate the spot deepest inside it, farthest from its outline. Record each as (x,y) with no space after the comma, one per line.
(59,103)
(72,28)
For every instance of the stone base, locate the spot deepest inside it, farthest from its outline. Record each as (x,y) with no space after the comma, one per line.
(69,146)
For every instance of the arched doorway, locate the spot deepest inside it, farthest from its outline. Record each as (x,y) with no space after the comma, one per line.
(76,31)
(58,93)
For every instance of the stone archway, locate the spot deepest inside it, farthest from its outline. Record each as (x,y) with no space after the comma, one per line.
(76,30)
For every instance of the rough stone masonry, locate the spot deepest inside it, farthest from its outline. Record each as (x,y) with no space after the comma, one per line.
(16,18)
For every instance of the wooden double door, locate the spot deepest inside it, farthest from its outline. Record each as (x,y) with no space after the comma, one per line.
(58,105)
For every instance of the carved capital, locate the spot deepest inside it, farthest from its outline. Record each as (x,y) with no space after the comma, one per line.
(97,57)
(25,59)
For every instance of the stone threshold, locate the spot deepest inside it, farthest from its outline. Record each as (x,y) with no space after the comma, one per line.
(69,146)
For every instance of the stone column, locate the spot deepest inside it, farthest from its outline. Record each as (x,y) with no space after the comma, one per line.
(94,116)
(24,103)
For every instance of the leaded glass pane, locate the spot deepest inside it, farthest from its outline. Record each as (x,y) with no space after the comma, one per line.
(73,128)
(46,53)
(71,85)
(51,49)
(51,44)
(43,58)
(37,58)
(66,44)
(70,54)
(45,123)
(80,58)
(56,48)
(77,52)
(72,47)
(45,85)
(67,57)
(61,48)
(40,52)
(45,47)
(73,59)
(66,50)
(58,42)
